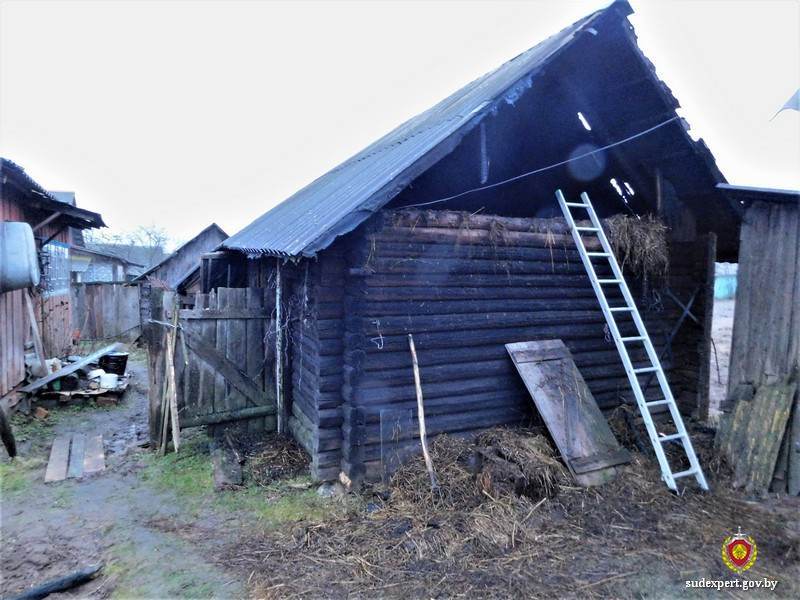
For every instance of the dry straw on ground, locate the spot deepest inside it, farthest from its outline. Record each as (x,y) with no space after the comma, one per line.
(507,521)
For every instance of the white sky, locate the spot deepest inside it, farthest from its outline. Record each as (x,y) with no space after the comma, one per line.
(184,113)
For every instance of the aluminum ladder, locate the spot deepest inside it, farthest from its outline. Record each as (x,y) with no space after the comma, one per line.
(633,372)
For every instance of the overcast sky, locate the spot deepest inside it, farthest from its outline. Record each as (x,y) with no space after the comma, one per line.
(182,113)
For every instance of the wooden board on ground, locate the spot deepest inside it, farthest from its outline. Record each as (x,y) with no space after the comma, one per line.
(567,407)
(750,438)
(59,460)
(94,459)
(76,455)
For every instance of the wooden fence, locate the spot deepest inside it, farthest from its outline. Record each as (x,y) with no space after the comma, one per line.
(103,311)
(222,362)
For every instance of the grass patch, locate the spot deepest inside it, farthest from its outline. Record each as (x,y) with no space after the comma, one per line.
(189,475)
(15,476)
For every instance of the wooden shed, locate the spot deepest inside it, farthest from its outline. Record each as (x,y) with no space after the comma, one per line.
(448,228)
(766,330)
(24,200)
(180,269)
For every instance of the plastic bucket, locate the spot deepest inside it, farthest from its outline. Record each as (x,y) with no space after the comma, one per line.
(116,362)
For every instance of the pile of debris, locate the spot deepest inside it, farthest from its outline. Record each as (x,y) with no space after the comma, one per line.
(505,519)
(101,373)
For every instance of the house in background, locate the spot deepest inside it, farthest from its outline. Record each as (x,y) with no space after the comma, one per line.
(134,254)
(95,266)
(54,223)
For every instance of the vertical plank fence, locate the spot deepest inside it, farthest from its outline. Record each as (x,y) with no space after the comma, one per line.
(222,367)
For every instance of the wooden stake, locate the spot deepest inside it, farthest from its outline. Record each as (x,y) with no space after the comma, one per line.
(37,339)
(423,436)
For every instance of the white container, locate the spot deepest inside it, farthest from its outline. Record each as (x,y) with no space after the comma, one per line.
(19,264)
(109,381)
(95,373)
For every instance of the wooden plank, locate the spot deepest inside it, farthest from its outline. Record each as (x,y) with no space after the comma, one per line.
(226,370)
(221,388)
(254,346)
(59,460)
(37,339)
(76,455)
(750,437)
(570,412)
(236,347)
(71,368)
(94,459)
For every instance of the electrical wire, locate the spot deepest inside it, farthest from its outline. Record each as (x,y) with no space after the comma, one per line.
(547,168)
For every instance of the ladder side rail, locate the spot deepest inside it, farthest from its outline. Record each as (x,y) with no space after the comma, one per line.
(616,336)
(652,355)
(655,361)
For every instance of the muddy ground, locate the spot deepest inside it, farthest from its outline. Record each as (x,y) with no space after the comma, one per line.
(161,531)
(156,523)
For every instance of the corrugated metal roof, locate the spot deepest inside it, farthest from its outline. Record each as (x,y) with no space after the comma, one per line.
(44,200)
(745,194)
(344,197)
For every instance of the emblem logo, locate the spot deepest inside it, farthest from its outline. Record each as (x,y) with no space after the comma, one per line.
(739,552)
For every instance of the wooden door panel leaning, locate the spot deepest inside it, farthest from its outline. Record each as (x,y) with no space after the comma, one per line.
(567,407)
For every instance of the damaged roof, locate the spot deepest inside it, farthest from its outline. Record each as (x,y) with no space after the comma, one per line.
(39,198)
(337,202)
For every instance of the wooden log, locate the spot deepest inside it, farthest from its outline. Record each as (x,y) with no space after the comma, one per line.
(226,417)
(433,235)
(541,280)
(415,308)
(60,584)
(428,293)
(425,267)
(364,254)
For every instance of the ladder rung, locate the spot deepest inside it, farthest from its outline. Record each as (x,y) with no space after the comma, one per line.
(638,338)
(645,370)
(670,438)
(577,204)
(621,309)
(657,403)
(604,254)
(684,473)
(586,229)
(609,281)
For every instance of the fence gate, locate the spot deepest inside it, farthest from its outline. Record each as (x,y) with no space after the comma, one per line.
(223,359)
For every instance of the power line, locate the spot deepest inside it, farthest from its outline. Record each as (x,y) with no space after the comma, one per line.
(547,168)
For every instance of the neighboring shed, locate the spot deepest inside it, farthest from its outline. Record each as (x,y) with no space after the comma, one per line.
(180,269)
(766,327)
(354,265)
(22,199)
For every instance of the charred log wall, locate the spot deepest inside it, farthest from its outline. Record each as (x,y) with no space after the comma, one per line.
(464,286)
(316,327)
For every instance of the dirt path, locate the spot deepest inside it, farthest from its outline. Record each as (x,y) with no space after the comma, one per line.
(120,517)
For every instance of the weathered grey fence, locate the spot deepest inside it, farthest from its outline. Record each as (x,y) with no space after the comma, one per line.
(105,310)
(222,360)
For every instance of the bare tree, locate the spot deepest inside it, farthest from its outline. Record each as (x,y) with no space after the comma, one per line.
(151,238)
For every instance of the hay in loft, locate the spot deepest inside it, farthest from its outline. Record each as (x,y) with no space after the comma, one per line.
(640,245)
